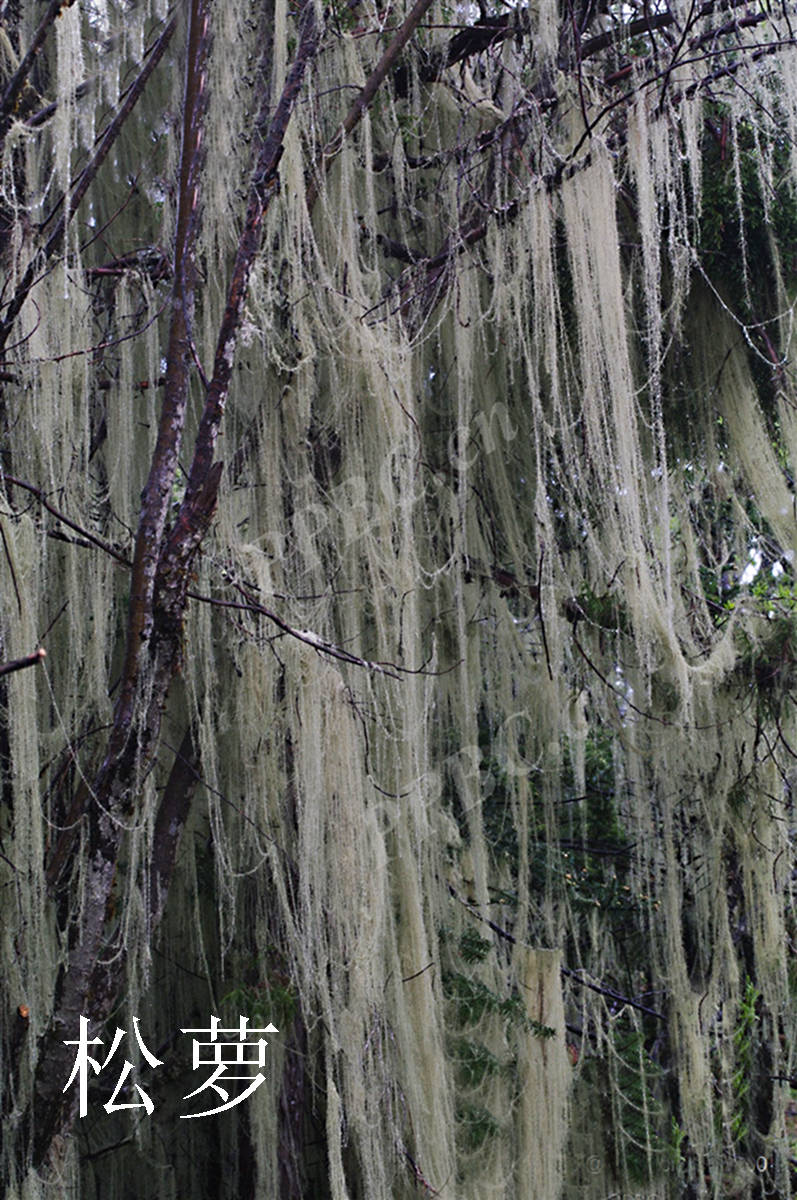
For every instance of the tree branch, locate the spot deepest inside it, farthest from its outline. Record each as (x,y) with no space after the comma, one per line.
(169,824)
(364,99)
(600,989)
(19,664)
(17,82)
(643,25)
(79,529)
(130,748)
(204,476)
(173,811)
(159,585)
(85,178)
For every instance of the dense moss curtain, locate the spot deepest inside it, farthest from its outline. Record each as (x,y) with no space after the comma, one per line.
(485,721)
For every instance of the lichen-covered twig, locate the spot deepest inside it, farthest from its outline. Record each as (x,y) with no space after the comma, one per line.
(70,205)
(18,81)
(365,98)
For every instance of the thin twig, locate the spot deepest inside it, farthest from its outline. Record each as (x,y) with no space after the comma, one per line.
(302,635)
(620,698)
(10,562)
(540,616)
(39,494)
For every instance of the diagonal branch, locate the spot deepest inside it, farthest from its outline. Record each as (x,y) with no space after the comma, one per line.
(173,810)
(653,21)
(204,476)
(568,972)
(365,98)
(55,240)
(18,664)
(163,467)
(16,84)
(170,821)
(80,529)
(159,591)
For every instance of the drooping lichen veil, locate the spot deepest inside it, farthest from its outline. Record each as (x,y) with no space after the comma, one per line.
(495,823)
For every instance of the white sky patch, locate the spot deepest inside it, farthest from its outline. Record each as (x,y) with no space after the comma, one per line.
(753,567)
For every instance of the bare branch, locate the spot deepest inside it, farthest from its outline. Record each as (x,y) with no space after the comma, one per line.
(19,664)
(601,989)
(79,529)
(130,748)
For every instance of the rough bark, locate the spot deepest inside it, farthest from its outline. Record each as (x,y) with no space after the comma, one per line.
(160,577)
(146,678)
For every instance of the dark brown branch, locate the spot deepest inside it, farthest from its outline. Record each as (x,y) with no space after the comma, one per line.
(13,573)
(750,54)
(418,1174)
(621,699)
(55,240)
(106,547)
(170,821)
(146,676)
(486,32)
(613,995)
(492,30)
(364,98)
(470,40)
(44,114)
(688,25)
(643,25)
(394,249)
(17,82)
(199,502)
(169,824)
(163,467)
(159,587)
(540,614)
(150,261)
(307,637)
(19,1033)
(391,669)
(600,989)
(141,385)
(19,664)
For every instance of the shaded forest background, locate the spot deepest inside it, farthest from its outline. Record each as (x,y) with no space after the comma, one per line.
(397,473)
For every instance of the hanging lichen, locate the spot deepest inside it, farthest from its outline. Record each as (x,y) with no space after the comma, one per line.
(481,750)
